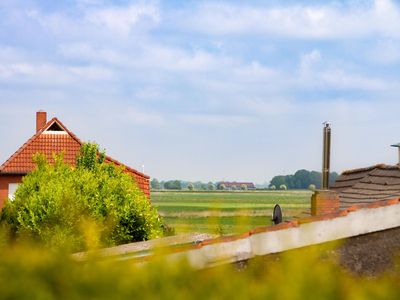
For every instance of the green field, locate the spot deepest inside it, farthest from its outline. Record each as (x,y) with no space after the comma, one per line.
(226,212)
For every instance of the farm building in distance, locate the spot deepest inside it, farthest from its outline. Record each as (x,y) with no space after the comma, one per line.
(227,185)
(50,137)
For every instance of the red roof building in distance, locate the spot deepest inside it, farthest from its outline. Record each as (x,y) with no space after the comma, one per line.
(50,137)
(227,185)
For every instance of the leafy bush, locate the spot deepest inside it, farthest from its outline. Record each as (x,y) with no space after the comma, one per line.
(56,203)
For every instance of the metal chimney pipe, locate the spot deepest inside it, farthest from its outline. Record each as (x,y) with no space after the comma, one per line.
(326,155)
(398,147)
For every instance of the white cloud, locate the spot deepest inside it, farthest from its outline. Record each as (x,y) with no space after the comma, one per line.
(11,54)
(315,72)
(270,107)
(340,79)
(215,119)
(97,21)
(137,116)
(385,51)
(46,74)
(91,73)
(122,19)
(309,60)
(255,71)
(322,21)
(91,53)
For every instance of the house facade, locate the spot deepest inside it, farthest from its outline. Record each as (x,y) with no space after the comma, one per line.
(50,137)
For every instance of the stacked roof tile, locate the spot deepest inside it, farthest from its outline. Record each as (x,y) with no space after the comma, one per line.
(361,186)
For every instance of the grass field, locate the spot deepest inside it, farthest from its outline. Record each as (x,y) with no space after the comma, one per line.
(226,212)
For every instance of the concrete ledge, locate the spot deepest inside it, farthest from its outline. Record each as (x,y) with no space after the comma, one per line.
(285,236)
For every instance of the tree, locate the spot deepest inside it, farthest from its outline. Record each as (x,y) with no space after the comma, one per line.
(283,187)
(173,185)
(312,187)
(221,186)
(301,179)
(243,187)
(332,177)
(155,184)
(316,178)
(278,180)
(190,186)
(272,187)
(210,186)
(57,204)
(203,187)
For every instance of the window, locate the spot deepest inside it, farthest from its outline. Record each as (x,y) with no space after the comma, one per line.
(55,128)
(12,188)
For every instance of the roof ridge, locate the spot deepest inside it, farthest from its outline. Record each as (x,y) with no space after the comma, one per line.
(358,170)
(34,137)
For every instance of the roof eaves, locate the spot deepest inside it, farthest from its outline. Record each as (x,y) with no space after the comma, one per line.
(351,171)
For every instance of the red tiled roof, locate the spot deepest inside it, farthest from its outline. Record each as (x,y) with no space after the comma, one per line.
(48,143)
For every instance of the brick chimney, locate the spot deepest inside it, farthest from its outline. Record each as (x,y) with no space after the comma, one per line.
(325,201)
(41,119)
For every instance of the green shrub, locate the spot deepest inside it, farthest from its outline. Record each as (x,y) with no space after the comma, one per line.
(59,204)
(283,187)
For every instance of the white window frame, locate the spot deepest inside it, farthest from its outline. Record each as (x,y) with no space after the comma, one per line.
(12,188)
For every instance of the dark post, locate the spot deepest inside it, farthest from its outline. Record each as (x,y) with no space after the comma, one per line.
(326,156)
(325,201)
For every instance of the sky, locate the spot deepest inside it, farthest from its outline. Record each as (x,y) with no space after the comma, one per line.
(206,90)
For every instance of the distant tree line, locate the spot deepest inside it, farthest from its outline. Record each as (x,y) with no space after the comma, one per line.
(182,185)
(302,179)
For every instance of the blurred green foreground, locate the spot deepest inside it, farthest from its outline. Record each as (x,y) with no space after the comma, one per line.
(28,271)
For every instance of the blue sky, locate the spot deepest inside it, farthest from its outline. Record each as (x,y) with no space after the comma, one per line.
(206,90)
